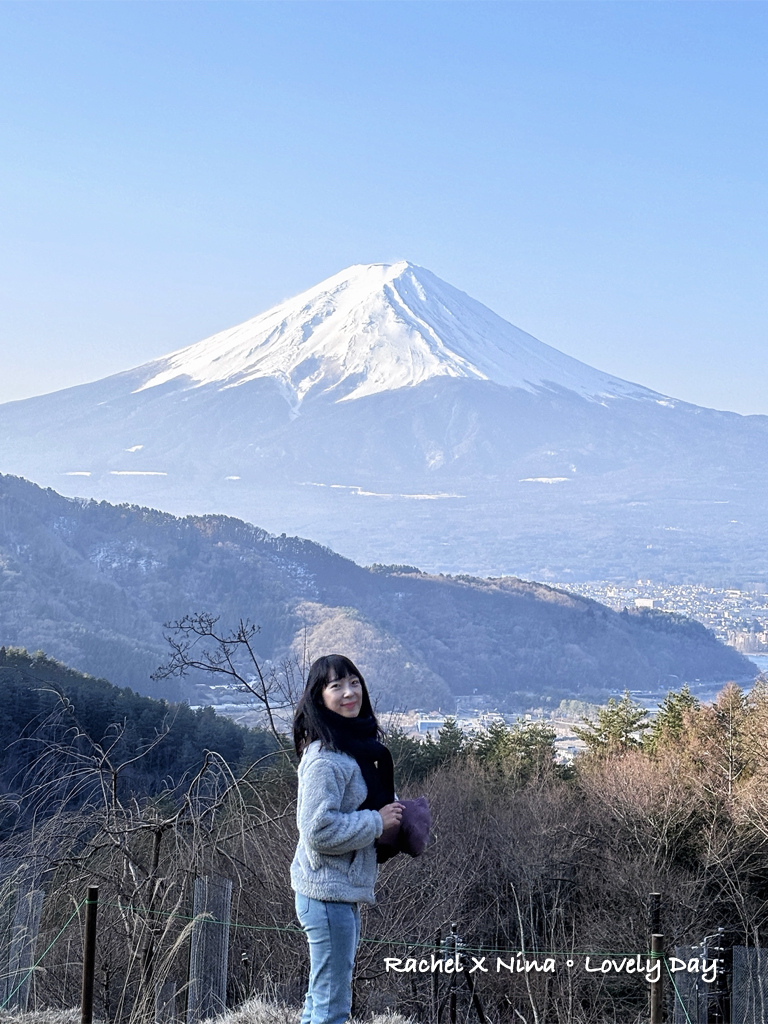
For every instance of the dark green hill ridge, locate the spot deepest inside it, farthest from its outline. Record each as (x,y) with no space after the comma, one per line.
(44,700)
(92,583)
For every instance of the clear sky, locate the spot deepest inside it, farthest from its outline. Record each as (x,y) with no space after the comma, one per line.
(594,172)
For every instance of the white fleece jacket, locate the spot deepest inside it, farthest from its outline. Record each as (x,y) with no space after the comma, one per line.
(336,858)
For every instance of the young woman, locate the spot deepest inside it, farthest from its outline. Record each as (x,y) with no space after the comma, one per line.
(346,800)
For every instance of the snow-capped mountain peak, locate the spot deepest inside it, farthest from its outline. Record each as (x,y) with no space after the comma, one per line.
(398,433)
(378,327)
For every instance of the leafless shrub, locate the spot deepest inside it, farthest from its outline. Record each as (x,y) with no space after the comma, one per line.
(531,862)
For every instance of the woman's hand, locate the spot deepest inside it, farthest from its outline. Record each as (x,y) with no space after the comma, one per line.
(391,815)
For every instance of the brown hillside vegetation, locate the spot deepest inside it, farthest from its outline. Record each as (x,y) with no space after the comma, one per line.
(528,857)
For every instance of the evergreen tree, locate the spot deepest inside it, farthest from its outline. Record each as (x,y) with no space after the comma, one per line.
(407,755)
(669,723)
(525,751)
(619,727)
(451,743)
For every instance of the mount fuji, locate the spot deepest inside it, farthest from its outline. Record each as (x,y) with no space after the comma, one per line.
(396,419)
(378,328)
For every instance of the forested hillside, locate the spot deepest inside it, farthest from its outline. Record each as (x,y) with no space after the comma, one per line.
(150,745)
(92,584)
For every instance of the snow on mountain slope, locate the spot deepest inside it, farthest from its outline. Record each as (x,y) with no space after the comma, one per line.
(469,446)
(380,327)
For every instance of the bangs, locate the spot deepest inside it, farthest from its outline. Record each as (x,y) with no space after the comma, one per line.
(342,667)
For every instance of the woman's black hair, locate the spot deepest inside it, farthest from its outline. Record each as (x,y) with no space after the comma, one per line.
(308,721)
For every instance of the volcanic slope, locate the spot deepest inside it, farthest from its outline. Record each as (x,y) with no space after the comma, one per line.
(92,584)
(394,418)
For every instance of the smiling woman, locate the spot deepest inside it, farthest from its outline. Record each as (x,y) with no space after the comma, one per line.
(344,696)
(346,802)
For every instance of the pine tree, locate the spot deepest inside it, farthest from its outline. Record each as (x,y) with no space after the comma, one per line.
(525,751)
(451,743)
(669,724)
(618,728)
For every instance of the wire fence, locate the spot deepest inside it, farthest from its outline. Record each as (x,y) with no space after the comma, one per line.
(703,983)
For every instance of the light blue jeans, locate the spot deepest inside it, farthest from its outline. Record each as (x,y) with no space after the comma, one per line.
(333,931)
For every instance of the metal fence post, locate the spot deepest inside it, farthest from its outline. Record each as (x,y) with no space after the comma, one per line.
(452,990)
(657,987)
(433,984)
(720,999)
(654,913)
(89,955)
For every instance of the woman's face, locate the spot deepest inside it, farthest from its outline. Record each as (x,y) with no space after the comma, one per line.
(344,696)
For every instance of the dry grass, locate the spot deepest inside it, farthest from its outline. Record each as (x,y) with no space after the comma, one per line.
(254,1011)
(71,1016)
(260,1011)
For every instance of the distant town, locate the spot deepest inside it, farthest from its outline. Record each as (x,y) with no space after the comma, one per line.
(737,617)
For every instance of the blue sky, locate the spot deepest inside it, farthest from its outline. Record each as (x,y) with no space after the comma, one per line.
(594,172)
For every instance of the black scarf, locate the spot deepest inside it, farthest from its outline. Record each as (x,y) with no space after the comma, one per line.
(358,738)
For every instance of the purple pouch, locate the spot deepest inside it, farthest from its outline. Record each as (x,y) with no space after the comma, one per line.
(414,828)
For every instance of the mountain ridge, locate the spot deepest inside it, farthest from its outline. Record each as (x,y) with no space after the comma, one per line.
(454,473)
(93,584)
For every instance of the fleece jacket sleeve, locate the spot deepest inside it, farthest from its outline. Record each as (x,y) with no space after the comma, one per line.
(323,826)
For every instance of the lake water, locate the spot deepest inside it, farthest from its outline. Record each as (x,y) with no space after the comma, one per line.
(704,691)
(761,660)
